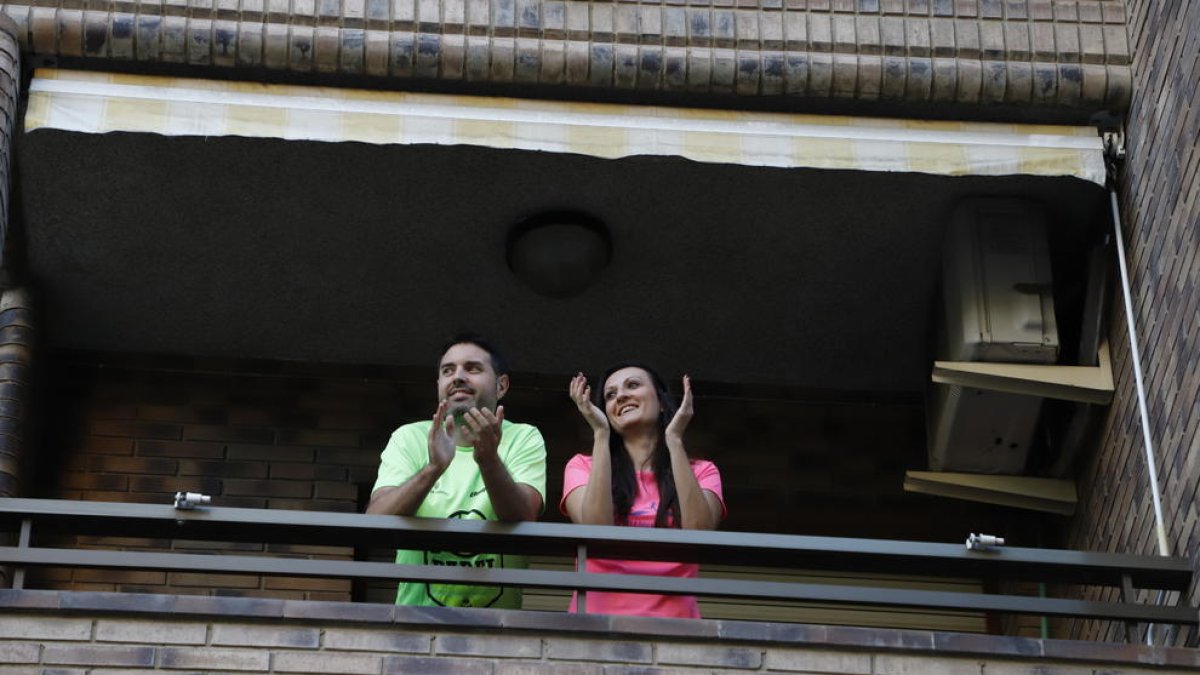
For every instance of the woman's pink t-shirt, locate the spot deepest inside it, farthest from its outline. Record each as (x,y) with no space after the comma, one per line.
(641,514)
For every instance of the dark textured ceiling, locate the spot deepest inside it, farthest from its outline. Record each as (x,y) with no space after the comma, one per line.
(820,280)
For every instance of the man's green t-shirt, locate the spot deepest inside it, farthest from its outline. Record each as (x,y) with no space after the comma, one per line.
(460,493)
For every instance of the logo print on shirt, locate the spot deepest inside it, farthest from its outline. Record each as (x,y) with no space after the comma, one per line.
(650,510)
(457,595)
(476,493)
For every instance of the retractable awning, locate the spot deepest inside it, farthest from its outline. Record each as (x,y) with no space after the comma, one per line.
(91,102)
(201,228)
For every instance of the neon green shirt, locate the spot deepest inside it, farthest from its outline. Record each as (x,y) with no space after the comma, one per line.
(460,493)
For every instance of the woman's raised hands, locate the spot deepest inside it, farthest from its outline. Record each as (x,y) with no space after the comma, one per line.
(683,416)
(581,394)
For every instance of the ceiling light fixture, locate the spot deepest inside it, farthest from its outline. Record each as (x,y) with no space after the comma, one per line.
(559,253)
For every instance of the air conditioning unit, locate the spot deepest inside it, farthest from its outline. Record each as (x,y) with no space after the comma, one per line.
(998,306)
(996,283)
(981,431)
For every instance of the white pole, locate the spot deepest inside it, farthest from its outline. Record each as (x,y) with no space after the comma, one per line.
(1134,355)
(1160,529)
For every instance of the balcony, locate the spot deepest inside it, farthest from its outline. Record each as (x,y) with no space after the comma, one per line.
(536,639)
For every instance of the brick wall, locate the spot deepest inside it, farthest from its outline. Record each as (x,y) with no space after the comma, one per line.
(300,437)
(1160,211)
(103,634)
(295,436)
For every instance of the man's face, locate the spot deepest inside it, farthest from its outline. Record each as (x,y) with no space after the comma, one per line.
(467,379)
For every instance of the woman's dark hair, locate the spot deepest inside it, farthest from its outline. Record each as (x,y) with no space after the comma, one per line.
(624,473)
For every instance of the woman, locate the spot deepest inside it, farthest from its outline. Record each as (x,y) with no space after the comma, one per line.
(639,475)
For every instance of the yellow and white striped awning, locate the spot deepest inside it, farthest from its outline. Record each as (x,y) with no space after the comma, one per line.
(91,102)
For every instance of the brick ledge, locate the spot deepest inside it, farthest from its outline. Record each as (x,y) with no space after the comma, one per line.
(915,642)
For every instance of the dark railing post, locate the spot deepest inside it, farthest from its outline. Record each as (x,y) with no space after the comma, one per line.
(23,540)
(581,567)
(1127,596)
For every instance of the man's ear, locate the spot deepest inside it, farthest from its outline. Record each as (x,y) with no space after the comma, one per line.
(501,386)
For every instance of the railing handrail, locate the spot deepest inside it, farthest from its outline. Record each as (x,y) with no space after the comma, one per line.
(559,539)
(1125,571)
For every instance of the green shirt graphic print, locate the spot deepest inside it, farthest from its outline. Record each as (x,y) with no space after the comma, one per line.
(461,493)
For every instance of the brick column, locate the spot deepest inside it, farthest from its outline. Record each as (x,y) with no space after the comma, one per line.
(16,332)
(15,325)
(10,89)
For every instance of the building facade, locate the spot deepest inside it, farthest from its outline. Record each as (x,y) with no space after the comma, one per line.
(84,420)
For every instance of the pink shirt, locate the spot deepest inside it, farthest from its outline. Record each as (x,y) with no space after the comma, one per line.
(641,514)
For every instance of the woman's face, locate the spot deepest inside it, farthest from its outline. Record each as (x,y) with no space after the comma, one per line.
(630,400)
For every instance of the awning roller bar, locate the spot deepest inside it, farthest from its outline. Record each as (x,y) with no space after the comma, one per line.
(91,102)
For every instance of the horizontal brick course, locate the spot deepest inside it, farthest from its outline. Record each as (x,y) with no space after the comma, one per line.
(695,655)
(610,47)
(891,664)
(1029,668)
(183,413)
(128,465)
(208,658)
(210,432)
(265,636)
(349,664)
(293,471)
(326,552)
(594,650)
(339,506)
(268,488)
(436,666)
(121,576)
(44,628)
(818,661)
(332,490)
(151,632)
(108,446)
(147,448)
(374,640)
(657,670)
(97,655)
(269,453)
(317,438)
(136,429)
(171,484)
(307,584)
(462,645)
(20,652)
(363,457)
(223,469)
(214,580)
(94,481)
(543,668)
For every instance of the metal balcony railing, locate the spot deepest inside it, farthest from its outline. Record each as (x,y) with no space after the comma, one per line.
(33,520)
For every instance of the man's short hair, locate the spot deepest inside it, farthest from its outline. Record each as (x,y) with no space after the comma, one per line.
(499,363)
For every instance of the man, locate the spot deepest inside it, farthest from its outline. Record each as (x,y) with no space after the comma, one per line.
(467,462)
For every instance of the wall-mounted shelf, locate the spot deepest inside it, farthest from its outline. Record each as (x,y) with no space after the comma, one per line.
(1023,492)
(1085,384)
